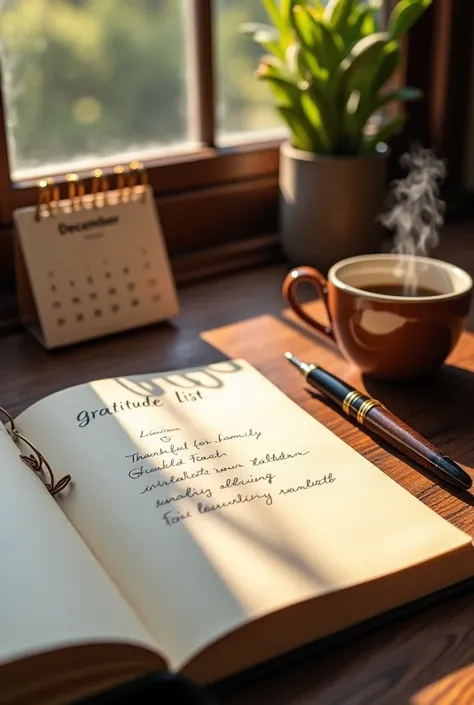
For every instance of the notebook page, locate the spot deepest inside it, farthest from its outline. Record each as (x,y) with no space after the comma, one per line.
(53,592)
(212,499)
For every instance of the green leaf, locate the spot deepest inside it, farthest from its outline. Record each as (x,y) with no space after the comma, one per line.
(361,23)
(370,104)
(361,65)
(285,92)
(330,117)
(387,66)
(287,7)
(369,23)
(337,15)
(316,10)
(272,67)
(366,75)
(309,68)
(367,43)
(404,16)
(303,136)
(387,131)
(316,80)
(266,36)
(333,46)
(289,98)
(321,49)
(351,127)
(406,95)
(273,13)
(313,115)
(370,98)
(337,12)
(291,58)
(250,29)
(324,44)
(304,29)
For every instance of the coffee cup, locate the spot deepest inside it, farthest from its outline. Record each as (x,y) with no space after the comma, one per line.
(389,330)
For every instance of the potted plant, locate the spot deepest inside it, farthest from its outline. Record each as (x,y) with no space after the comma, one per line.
(331,69)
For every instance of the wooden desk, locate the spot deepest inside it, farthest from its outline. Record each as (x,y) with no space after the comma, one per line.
(423,659)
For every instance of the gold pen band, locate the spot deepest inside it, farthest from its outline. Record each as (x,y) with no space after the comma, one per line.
(364,408)
(349,399)
(309,369)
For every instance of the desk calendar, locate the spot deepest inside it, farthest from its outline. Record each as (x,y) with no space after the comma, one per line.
(92,264)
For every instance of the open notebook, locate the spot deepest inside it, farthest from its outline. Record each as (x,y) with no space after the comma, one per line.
(211,524)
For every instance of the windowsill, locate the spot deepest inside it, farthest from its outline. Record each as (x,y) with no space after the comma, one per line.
(236,261)
(204,219)
(172,170)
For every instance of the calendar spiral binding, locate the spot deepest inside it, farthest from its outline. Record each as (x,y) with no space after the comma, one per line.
(128,184)
(34,459)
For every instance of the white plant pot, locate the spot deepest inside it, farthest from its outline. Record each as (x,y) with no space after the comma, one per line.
(329,206)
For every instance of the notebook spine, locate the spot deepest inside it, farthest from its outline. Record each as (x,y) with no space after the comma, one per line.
(34,458)
(119,185)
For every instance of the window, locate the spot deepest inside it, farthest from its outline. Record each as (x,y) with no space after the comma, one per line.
(106,81)
(243,105)
(91,83)
(99,82)
(96,83)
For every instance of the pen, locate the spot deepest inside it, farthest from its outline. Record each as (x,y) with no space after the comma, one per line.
(371,414)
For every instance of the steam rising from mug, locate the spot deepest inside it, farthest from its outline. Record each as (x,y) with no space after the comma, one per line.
(418,212)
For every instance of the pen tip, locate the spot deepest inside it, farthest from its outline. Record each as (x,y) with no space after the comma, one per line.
(294,360)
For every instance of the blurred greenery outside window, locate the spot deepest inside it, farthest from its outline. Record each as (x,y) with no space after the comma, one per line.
(94,82)
(97,81)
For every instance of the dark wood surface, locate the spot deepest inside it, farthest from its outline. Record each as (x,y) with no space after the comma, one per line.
(424,659)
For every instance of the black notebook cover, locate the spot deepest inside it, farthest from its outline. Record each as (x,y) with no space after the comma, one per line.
(171,689)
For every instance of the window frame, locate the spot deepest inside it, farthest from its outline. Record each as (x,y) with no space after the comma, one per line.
(438,51)
(203,167)
(208,199)
(212,199)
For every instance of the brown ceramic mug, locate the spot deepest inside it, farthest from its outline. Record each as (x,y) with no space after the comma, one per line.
(387,335)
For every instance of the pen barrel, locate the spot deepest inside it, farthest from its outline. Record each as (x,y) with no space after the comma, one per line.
(353,403)
(372,415)
(330,386)
(398,434)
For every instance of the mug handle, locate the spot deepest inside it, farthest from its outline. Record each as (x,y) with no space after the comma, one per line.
(316,279)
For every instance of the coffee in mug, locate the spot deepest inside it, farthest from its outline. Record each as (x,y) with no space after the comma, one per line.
(389,327)
(401,290)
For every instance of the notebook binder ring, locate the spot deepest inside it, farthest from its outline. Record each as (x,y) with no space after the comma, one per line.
(130,185)
(36,460)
